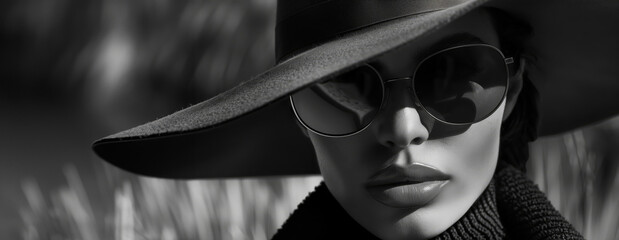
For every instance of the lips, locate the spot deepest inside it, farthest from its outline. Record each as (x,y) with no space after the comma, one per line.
(412,186)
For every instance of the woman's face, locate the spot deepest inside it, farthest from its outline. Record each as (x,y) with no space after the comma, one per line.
(454,164)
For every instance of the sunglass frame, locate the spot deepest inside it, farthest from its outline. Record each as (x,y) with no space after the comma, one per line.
(417,102)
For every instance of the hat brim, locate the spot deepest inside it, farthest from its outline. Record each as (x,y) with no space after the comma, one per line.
(250,130)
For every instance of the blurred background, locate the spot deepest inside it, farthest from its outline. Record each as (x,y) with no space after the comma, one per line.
(72,71)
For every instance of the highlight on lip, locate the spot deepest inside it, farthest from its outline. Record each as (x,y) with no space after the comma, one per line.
(412,186)
(414,195)
(414,173)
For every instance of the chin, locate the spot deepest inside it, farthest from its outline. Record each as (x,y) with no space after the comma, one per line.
(421,224)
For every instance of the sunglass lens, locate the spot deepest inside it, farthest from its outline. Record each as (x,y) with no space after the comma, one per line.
(341,106)
(462,85)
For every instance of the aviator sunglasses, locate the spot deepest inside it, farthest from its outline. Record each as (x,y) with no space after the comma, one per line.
(459,85)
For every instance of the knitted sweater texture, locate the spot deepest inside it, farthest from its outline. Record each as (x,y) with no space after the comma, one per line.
(511,207)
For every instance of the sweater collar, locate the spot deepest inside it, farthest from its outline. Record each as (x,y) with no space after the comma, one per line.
(320,216)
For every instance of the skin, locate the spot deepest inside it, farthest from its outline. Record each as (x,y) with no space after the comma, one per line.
(402,135)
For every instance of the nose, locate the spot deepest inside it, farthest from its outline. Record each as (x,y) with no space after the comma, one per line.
(399,123)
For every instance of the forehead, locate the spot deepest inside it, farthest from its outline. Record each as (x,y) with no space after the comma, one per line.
(475,27)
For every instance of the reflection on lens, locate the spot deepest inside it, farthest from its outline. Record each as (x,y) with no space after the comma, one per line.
(462,85)
(340,106)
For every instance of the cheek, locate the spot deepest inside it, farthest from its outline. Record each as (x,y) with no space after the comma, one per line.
(474,154)
(480,147)
(339,162)
(347,163)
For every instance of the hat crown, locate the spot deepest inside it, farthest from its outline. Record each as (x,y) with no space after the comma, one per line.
(302,24)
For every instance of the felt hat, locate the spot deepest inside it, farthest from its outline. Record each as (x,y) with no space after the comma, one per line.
(250,130)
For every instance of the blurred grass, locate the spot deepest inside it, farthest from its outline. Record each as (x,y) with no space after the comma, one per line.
(148,208)
(579,172)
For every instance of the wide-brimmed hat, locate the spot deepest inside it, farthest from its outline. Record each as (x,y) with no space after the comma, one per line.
(250,130)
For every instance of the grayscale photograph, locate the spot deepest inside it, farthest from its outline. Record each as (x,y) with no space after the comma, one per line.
(309,119)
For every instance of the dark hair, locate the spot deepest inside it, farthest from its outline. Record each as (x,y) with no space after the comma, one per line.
(520,127)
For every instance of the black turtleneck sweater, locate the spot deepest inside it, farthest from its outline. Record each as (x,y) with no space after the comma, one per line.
(511,207)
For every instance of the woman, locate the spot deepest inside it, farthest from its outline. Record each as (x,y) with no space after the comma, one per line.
(406,109)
